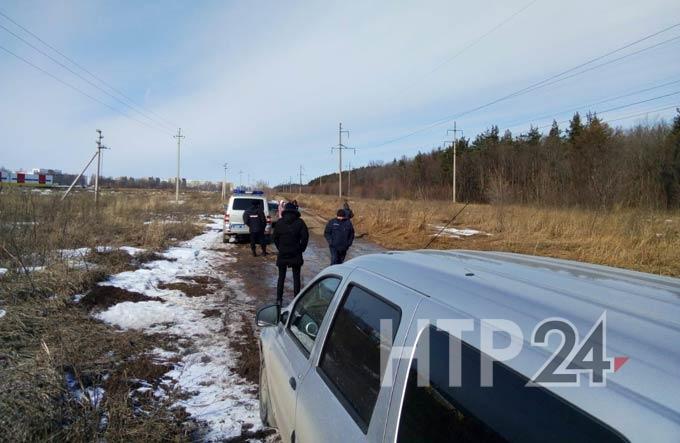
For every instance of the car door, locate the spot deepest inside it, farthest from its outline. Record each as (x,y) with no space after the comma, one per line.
(293,344)
(344,396)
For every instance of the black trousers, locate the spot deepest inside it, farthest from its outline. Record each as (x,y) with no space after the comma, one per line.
(337,256)
(282,278)
(257,238)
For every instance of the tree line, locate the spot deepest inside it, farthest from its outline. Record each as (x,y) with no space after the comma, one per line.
(588,163)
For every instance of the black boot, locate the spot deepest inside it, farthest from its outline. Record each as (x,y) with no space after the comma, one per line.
(264,251)
(254,253)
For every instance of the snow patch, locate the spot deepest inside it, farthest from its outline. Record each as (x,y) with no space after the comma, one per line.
(3,271)
(217,395)
(457,233)
(131,250)
(2,313)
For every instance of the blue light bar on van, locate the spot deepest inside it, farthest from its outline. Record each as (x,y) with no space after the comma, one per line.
(244,192)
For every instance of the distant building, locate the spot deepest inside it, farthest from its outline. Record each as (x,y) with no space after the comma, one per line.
(46,171)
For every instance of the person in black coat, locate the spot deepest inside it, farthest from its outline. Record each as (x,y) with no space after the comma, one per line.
(348,211)
(256,221)
(290,237)
(339,234)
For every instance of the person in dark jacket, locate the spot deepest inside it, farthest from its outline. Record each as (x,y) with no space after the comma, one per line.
(349,214)
(254,218)
(339,234)
(290,237)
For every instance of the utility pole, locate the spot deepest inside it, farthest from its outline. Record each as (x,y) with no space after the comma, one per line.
(455,139)
(224,182)
(340,148)
(179,138)
(349,179)
(79,175)
(301,174)
(100,146)
(96,155)
(240,178)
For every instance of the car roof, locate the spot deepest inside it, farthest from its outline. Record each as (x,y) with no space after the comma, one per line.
(249,196)
(643,316)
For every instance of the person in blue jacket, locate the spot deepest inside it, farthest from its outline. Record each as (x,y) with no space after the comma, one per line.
(339,234)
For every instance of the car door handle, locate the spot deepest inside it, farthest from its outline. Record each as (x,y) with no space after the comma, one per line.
(293,383)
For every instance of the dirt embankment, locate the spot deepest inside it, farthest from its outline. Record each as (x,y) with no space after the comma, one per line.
(646,241)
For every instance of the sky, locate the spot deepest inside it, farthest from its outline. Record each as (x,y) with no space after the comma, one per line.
(262,85)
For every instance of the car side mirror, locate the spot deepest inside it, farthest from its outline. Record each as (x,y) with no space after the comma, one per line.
(268,315)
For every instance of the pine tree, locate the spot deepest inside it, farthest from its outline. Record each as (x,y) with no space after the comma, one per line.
(533,137)
(555,131)
(575,128)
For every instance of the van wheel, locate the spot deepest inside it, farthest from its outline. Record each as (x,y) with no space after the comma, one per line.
(265,407)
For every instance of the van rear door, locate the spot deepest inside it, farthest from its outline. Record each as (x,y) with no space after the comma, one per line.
(239,206)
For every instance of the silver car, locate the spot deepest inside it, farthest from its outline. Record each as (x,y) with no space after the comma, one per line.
(433,346)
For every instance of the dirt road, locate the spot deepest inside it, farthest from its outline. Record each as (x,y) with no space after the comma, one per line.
(250,282)
(259,275)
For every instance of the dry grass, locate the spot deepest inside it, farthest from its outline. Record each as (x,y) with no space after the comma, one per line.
(44,336)
(628,238)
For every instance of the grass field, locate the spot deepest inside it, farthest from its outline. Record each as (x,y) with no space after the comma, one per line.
(47,342)
(636,239)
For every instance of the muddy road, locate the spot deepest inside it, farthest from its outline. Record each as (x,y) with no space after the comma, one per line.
(257,276)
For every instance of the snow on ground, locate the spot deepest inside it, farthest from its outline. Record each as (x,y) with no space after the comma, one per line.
(3,271)
(457,233)
(79,253)
(218,396)
(2,313)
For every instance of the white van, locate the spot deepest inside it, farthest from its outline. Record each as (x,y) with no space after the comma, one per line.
(234,227)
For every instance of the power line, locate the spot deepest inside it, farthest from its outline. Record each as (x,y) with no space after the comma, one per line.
(608,62)
(543,83)
(69,59)
(643,113)
(77,74)
(617,108)
(75,88)
(591,105)
(473,43)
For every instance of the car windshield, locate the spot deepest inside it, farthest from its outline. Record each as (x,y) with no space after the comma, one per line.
(241,204)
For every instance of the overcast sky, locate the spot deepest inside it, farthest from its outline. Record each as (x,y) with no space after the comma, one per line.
(263,85)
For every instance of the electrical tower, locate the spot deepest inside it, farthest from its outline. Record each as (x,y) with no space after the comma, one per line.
(455,140)
(179,138)
(341,148)
(224,182)
(99,165)
(301,174)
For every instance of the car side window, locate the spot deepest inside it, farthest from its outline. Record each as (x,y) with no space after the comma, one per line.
(350,362)
(507,411)
(310,310)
